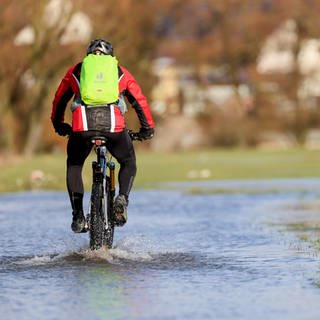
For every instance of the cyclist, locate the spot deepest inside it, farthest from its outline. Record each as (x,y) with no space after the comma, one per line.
(108,121)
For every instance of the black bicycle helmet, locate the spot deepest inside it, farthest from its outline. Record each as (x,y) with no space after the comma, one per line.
(102,45)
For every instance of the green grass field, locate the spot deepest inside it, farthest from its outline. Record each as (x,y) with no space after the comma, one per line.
(47,172)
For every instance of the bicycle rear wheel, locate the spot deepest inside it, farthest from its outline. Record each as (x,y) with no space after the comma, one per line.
(96,217)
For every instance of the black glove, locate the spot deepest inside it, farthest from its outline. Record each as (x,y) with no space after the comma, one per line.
(63,129)
(146,134)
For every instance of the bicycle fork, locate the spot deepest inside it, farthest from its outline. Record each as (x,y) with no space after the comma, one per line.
(111,189)
(108,186)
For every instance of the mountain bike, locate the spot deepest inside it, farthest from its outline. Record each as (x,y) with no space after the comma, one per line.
(100,218)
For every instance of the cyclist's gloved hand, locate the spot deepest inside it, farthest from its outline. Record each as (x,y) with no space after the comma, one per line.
(146,133)
(63,129)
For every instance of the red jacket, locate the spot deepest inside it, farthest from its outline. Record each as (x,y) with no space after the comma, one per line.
(128,86)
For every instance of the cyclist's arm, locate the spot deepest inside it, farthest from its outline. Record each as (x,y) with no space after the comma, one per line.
(62,96)
(131,89)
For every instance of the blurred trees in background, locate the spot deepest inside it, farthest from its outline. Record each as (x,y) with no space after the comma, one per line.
(30,73)
(224,34)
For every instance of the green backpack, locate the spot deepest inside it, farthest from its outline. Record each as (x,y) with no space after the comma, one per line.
(99,80)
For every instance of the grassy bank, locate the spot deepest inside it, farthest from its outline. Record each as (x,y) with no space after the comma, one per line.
(47,172)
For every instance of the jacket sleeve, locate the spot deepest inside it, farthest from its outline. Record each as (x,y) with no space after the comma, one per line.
(62,96)
(136,98)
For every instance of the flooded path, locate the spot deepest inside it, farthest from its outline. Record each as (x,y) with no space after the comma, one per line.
(214,250)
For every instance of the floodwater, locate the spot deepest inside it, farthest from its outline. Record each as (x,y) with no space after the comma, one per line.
(202,250)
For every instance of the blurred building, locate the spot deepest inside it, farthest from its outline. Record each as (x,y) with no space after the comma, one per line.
(187,91)
(277,56)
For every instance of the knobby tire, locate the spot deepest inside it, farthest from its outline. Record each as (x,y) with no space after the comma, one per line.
(96,217)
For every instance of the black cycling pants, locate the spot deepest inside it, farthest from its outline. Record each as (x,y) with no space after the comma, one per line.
(79,146)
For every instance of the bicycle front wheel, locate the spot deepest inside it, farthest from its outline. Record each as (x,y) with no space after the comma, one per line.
(96,217)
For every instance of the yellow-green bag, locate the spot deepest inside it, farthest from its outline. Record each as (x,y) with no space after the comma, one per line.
(99,80)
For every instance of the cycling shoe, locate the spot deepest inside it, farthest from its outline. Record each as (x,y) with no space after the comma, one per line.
(78,222)
(120,210)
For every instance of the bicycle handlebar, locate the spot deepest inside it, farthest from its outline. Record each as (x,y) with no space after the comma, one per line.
(135,136)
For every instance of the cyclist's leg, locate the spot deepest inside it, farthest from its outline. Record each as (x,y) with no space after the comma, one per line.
(121,147)
(78,150)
